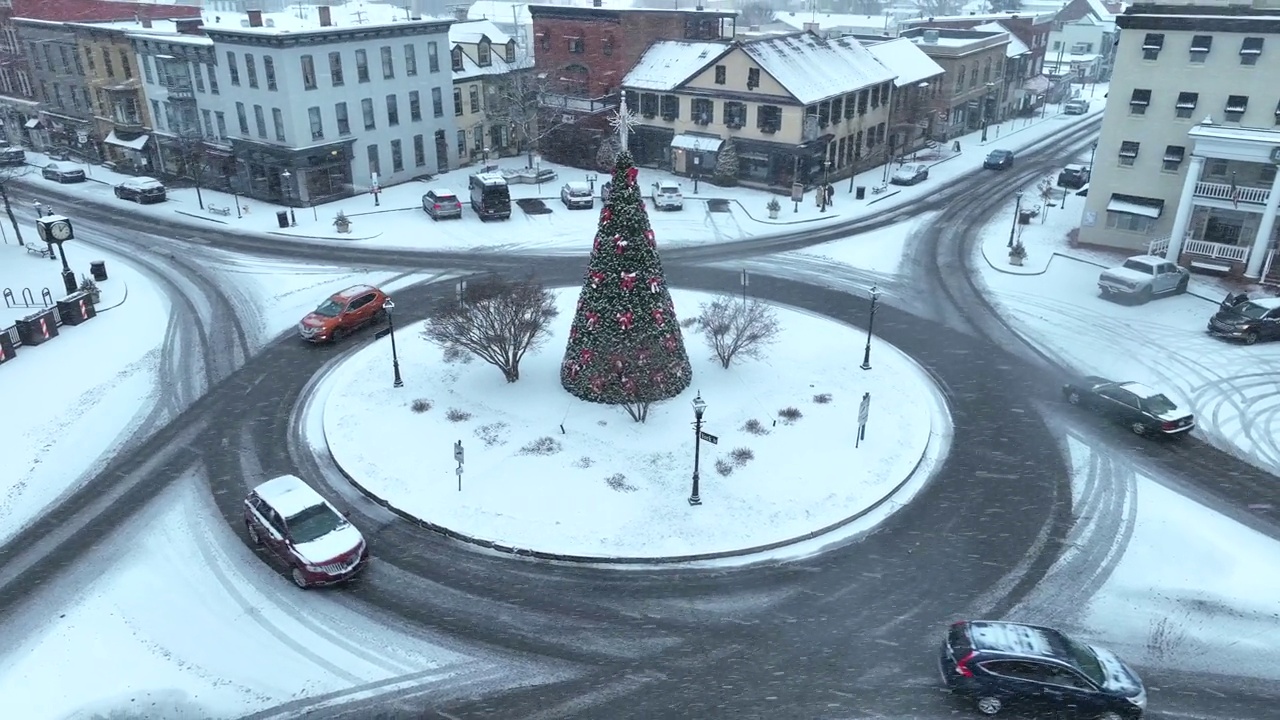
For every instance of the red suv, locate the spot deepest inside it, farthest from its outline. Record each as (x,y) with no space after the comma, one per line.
(301,529)
(344,313)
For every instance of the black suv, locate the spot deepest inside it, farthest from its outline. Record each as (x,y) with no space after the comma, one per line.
(1240,318)
(998,160)
(1134,405)
(1073,177)
(998,665)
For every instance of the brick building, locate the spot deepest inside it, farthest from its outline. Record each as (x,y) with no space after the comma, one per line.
(582,55)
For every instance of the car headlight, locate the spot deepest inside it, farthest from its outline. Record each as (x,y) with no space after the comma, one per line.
(1139,700)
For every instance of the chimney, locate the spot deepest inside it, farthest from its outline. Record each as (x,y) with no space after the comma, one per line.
(811,27)
(255,18)
(189,26)
(460,13)
(597,3)
(146,22)
(326,16)
(930,37)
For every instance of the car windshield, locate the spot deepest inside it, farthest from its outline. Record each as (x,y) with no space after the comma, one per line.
(1086,661)
(314,522)
(1158,404)
(1138,266)
(446,199)
(329,309)
(1251,310)
(670,189)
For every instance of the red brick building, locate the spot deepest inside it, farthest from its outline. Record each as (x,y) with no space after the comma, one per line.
(583,53)
(18,103)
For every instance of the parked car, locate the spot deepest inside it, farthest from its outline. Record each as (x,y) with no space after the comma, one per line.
(299,528)
(577,195)
(441,203)
(910,175)
(1143,277)
(141,190)
(490,196)
(1075,107)
(63,172)
(1240,318)
(998,160)
(11,156)
(667,196)
(1074,177)
(999,665)
(1134,405)
(343,313)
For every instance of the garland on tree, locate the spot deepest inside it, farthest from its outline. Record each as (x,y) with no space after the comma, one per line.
(625,345)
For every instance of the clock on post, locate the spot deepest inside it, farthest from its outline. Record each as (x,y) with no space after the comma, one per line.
(57,229)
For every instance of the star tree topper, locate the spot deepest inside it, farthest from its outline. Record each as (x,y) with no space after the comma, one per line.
(622,121)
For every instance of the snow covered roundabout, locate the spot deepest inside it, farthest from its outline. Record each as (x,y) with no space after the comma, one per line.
(550,474)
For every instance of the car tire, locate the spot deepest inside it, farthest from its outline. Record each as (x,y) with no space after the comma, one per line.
(299,579)
(1138,429)
(1144,295)
(339,333)
(119,195)
(1182,285)
(1073,397)
(254,537)
(1250,338)
(989,705)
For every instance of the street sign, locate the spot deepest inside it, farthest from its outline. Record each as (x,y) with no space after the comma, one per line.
(708,437)
(797,192)
(864,409)
(457,452)
(745,280)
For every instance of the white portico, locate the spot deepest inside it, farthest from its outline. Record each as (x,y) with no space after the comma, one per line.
(1226,217)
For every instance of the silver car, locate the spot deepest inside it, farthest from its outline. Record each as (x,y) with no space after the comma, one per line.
(577,195)
(1143,277)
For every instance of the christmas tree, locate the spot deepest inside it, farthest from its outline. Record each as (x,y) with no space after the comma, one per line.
(607,155)
(727,164)
(625,345)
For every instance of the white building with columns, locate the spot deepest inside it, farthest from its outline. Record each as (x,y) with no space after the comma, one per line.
(1185,165)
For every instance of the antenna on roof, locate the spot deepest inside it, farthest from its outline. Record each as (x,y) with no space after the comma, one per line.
(360,17)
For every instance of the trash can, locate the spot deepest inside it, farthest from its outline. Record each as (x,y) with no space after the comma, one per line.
(282,217)
(1024,217)
(76,308)
(37,328)
(98,269)
(7,352)
(860,193)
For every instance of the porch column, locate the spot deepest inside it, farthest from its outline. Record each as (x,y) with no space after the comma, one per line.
(1262,242)
(1183,217)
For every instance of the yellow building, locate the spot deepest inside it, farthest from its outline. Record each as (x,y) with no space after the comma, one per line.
(120,114)
(485,61)
(797,107)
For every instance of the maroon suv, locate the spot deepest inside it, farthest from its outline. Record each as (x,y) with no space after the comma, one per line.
(298,527)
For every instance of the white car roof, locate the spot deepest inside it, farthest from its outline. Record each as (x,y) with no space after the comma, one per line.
(63,165)
(355,290)
(288,495)
(665,186)
(1139,389)
(442,192)
(1270,303)
(1151,259)
(143,182)
(578,187)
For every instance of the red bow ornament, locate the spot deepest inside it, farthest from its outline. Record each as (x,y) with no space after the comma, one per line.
(669,342)
(626,319)
(597,384)
(596,278)
(648,235)
(593,319)
(619,244)
(632,172)
(628,280)
(629,385)
(659,317)
(586,355)
(654,284)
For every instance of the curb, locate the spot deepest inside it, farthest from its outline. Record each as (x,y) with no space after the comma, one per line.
(321,237)
(783,223)
(113,307)
(200,217)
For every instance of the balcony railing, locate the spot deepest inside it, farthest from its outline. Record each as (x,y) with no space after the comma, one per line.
(1216,251)
(578,104)
(182,92)
(1222,191)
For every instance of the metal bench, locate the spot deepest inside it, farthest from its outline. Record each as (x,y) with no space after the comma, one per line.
(222,210)
(1212,267)
(41,250)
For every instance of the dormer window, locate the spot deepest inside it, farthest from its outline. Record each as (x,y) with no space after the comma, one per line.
(457,59)
(753,78)
(510,51)
(484,57)
(1250,49)
(1200,45)
(1151,46)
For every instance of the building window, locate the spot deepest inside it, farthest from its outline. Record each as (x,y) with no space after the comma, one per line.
(1216,168)
(433,57)
(753,78)
(206,120)
(769,118)
(393,111)
(473,94)
(372,153)
(195,72)
(1267,173)
(1277,113)
(250,70)
(704,111)
(388,63)
(233,69)
(126,67)
(606,46)
(735,114)
(344,122)
(462,143)
(397,157)
(317,123)
(419,151)
(1187,103)
(576,46)
(415,106)
(437,102)
(146,68)
(457,101)
(722,74)
(1200,45)
(1128,152)
(670,107)
(478,136)
(1236,105)
(484,57)
(64,55)
(269,71)
(1129,222)
(362,66)
(366,109)
(511,51)
(1250,49)
(649,105)
(240,114)
(335,69)
(410,60)
(1173,155)
(277,118)
(260,119)
(220,118)
(157,116)
(457,59)
(1139,101)
(1151,45)
(213,79)
(48,58)
(544,41)
(308,73)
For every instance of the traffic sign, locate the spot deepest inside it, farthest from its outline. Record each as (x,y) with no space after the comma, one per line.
(457,452)
(708,437)
(864,409)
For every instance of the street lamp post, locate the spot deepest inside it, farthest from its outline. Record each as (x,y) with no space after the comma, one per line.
(826,178)
(387,307)
(699,407)
(287,178)
(871,321)
(1017,208)
(986,105)
(1093,150)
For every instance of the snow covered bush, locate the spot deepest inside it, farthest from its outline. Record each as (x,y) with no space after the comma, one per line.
(789,415)
(733,326)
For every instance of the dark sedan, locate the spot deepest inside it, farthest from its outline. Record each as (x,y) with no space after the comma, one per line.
(1073,177)
(1239,318)
(998,160)
(1134,405)
(910,175)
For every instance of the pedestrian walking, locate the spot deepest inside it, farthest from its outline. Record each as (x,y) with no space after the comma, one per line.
(831,195)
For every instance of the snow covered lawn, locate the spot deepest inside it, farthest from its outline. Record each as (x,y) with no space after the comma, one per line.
(608,487)
(72,400)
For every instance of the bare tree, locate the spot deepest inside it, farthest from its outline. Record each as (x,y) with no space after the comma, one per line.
(940,8)
(757,12)
(517,99)
(7,175)
(1045,189)
(193,160)
(733,326)
(866,7)
(497,320)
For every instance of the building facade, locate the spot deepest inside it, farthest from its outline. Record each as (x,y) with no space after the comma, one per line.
(582,55)
(67,125)
(1186,162)
(484,61)
(918,84)
(324,111)
(798,107)
(121,124)
(1094,24)
(1082,50)
(973,84)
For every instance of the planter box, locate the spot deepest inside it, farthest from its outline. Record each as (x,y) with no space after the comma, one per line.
(76,308)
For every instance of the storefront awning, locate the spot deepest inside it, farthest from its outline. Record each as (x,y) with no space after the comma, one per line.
(135,144)
(32,124)
(1134,205)
(1037,84)
(699,143)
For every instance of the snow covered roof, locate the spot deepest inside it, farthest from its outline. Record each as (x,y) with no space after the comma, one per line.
(982,17)
(1100,11)
(838,21)
(902,56)
(472,31)
(813,68)
(506,13)
(170,38)
(667,63)
(1016,47)
(302,18)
